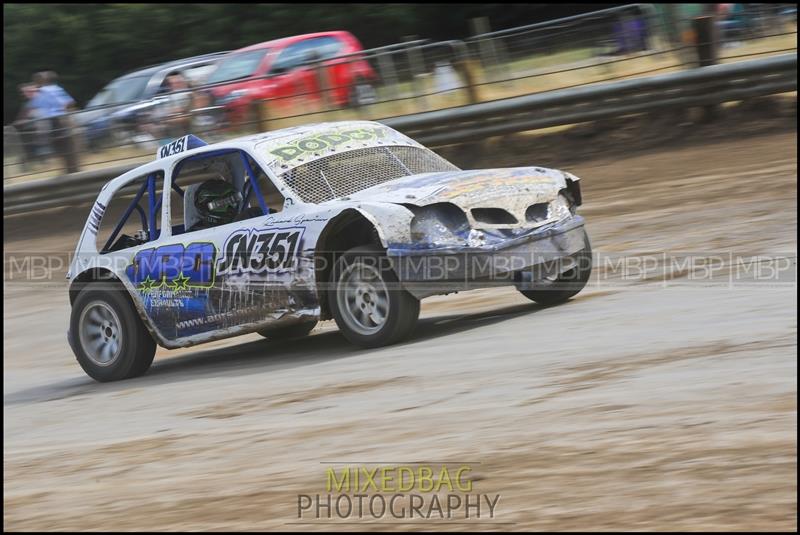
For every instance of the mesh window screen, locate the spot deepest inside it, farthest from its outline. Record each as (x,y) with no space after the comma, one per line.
(351,171)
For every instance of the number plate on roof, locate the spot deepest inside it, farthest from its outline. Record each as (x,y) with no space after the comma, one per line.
(183,144)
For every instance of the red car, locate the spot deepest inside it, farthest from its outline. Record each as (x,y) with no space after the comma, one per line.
(290,67)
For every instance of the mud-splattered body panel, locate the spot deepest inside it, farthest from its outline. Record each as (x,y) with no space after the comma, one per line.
(241,277)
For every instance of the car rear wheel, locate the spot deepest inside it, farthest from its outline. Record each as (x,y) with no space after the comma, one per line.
(367,302)
(557,289)
(109,339)
(298,330)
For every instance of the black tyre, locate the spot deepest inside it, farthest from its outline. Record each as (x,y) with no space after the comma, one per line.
(298,330)
(109,339)
(567,284)
(366,300)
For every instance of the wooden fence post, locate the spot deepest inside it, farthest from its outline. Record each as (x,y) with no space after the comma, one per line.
(706,44)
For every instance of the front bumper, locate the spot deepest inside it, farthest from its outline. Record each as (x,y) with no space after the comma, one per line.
(426,272)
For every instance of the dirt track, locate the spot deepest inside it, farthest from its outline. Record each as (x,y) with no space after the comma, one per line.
(666,404)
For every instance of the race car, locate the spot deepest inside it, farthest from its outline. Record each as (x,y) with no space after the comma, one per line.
(271,233)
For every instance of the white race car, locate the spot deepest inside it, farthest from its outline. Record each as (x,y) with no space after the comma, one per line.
(273,232)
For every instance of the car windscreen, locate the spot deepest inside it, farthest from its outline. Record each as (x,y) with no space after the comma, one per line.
(237,66)
(347,172)
(120,91)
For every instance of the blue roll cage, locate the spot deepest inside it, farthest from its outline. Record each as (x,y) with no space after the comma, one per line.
(149,220)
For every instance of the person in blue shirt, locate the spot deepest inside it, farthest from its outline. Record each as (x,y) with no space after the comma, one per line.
(51,103)
(51,100)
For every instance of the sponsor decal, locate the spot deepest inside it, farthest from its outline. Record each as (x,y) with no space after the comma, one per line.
(489,181)
(332,140)
(175,266)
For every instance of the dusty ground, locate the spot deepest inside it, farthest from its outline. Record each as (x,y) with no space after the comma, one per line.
(668,403)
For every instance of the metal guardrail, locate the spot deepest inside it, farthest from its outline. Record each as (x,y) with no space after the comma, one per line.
(703,86)
(706,85)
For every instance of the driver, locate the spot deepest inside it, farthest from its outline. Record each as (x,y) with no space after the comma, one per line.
(217,203)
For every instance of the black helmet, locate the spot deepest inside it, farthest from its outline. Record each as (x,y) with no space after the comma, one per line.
(217,202)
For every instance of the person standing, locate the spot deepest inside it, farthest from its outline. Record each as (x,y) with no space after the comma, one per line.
(51,103)
(171,117)
(179,103)
(28,127)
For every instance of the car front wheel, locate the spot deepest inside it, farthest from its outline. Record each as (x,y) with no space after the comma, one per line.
(367,302)
(109,339)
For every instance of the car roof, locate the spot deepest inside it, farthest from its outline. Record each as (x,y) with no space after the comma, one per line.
(272,139)
(150,71)
(286,41)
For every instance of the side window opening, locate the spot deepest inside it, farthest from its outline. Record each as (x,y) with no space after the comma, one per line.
(273,198)
(292,57)
(217,189)
(329,46)
(197,74)
(133,216)
(163,87)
